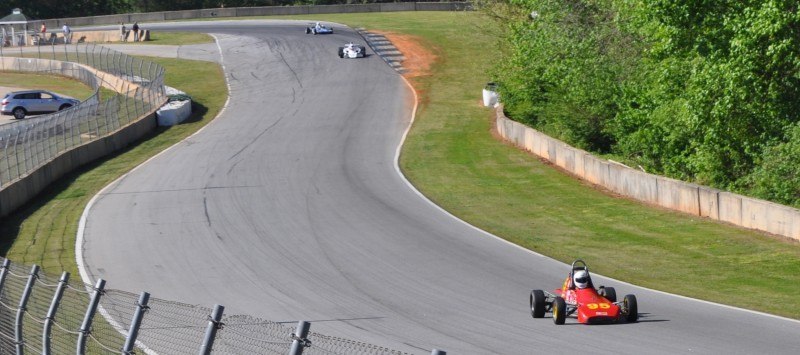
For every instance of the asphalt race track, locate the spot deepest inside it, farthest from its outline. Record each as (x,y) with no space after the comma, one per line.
(289,206)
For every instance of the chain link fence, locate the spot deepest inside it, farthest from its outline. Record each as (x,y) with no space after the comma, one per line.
(46,315)
(135,89)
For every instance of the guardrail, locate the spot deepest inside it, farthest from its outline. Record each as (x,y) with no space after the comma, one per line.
(653,189)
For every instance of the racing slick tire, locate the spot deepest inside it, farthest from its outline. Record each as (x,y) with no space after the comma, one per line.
(559,310)
(609,293)
(341,52)
(537,303)
(308,30)
(631,308)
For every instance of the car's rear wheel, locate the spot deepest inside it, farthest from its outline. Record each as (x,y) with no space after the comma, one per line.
(64,106)
(19,113)
(631,308)
(559,310)
(537,303)
(609,293)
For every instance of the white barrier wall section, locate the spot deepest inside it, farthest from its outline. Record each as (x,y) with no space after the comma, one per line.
(653,189)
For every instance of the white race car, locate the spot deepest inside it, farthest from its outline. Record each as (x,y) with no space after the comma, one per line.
(318,28)
(351,50)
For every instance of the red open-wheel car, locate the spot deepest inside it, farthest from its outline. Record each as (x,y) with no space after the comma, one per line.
(578,295)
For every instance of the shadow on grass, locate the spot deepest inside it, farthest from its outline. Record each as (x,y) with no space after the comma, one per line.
(198,113)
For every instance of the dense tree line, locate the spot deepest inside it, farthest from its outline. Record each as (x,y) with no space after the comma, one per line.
(48,9)
(703,91)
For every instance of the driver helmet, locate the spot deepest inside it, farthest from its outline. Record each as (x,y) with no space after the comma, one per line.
(317,24)
(581,279)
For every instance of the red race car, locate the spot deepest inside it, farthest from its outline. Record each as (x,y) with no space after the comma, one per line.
(594,306)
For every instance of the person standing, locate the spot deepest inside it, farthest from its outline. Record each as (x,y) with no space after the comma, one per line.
(43,33)
(67,34)
(123,35)
(136,32)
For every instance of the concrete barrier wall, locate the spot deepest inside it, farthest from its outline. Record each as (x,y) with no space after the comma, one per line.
(23,190)
(255,11)
(443,6)
(398,6)
(677,195)
(653,189)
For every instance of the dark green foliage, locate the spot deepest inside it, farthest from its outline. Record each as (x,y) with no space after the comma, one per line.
(704,91)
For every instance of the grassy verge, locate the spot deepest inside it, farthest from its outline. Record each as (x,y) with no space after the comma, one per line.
(452,157)
(58,84)
(43,232)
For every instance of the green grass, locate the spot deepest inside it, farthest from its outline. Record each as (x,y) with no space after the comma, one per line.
(58,84)
(452,157)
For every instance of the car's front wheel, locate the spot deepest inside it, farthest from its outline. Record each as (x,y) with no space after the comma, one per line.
(537,303)
(64,107)
(631,308)
(19,113)
(559,310)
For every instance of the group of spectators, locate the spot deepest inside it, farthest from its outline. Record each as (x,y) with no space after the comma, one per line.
(123,32)
(65,29)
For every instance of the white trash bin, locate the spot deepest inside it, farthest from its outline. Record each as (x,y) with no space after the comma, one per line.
(490,95)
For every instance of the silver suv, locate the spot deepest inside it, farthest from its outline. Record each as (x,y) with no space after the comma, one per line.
(29,102)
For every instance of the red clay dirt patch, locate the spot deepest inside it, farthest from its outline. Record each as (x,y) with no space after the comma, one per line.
(418,58)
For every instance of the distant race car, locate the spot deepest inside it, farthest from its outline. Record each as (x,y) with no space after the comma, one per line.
(578,295)
(318,28)
(351,50)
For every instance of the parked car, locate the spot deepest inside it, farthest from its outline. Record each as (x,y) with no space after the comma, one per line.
(31,102)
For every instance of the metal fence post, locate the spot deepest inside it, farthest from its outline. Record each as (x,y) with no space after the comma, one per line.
(5,154)
(214,324)
(300,337)
(133,332)
(86,326)
(4,272)
(23,303)
(16,151)
(51,312)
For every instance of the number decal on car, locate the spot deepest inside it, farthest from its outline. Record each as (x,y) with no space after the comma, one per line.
(598,305)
